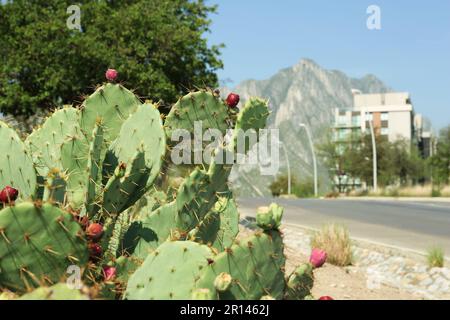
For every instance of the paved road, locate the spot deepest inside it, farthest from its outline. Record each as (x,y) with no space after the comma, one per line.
(411,225)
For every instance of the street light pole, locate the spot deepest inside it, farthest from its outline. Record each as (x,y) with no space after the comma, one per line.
(374,152)
(316,192)
(288,167)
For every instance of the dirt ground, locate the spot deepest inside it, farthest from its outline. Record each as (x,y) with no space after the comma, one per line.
(345,283)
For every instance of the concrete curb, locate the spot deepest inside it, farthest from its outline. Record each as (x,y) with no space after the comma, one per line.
(407,199)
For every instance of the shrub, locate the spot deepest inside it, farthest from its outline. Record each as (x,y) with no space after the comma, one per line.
(435,257)
(335,240)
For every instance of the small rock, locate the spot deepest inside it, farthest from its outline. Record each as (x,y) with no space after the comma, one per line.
(426,282)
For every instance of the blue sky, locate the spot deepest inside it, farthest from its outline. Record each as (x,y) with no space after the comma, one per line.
(411,52)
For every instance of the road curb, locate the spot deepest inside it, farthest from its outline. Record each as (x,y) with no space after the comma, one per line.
(405,199)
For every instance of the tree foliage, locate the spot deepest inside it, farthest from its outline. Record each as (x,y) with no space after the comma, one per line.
(397,162)
(441,160)
(157,46)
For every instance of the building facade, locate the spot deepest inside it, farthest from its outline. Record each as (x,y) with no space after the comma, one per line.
(391,115)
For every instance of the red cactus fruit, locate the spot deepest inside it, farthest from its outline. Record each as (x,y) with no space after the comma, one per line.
(318,257)
(325,298)
(232,100)
(94,231)
(111,74)
(109,273)
(8,194)
(95,250)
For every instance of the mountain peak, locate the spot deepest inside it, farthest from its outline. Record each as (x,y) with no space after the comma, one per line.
(304,93)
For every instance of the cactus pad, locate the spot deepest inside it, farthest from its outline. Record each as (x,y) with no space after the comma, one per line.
(111,103)
(38,243)
(256,266)
(58,291)
(200,106)
(171,272)
(45,142)
(300,282)
(16,165)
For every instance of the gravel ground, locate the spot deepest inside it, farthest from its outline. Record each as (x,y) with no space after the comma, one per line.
(378,273)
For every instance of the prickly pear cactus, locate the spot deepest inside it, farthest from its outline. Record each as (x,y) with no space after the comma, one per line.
(170,272)
(203,107)
(112,103)
(60,291)
(107,165)
(38,243)
(16,167)
(45,142)
(300,282)
(256,266)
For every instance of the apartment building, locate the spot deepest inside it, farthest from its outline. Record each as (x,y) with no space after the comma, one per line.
(391,114)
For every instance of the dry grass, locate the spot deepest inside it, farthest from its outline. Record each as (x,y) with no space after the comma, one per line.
(445,191)
(335,240)
(435,257)
(409,191)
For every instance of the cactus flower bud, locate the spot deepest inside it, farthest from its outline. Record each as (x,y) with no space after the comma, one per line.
(8,194)
(95,250)
(111,74)
(318,258)
(223,282)
(94,231)
(232,100)
(109,273)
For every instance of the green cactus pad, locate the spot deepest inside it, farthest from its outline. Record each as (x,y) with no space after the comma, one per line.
(143,237)
(55,187)
(169,273)
(220,226)
(202,294)
(45,142)
(143,130)
(74,158)
(37,245)
(148,204)
(256,265)
(112,104)
(199,106)
(129,181)
(194,199)
(94,169)
(300,282)
(60,291)
(16,165)
(252,117)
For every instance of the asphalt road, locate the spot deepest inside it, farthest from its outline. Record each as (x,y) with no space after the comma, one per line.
(412,225)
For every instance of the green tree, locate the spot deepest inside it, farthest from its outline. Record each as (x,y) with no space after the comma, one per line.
(397,162)
(440,161)
(158,46)
(337,157)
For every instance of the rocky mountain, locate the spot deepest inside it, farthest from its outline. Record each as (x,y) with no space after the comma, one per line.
(305,93)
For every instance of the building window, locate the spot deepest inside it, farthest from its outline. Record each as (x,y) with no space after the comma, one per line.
(342,120)
(369,116)
(384,116)
(384,131)
(356,120)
